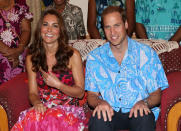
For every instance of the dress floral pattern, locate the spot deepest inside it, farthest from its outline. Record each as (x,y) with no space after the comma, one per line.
(63,112)
(10,21)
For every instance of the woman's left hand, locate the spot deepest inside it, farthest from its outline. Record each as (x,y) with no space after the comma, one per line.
(14,61)
(51,79)
(11,52)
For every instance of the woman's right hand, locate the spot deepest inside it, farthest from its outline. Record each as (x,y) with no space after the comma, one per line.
(12,54)
(40,108)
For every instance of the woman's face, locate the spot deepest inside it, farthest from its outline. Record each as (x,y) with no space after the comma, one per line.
(4,4)
(50,29)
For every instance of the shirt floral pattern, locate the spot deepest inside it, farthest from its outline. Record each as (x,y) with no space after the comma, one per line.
(139,74)
(161,18)
(10,21)
(73,21)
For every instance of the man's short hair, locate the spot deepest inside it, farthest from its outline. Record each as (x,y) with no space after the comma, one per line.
(111,9)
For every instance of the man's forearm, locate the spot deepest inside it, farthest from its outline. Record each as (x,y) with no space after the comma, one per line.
(24,40)
(130,11)
(153,99)
(141,31)
(94,33)
(94,100)
(3,47)
(176,36)
(25,35)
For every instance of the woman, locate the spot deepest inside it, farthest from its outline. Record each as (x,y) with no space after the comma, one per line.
(14,36)
(56,80)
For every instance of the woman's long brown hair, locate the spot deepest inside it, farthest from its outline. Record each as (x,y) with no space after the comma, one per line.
(37,50)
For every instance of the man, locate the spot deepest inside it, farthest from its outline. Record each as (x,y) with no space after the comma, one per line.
(95,9)
(124,79)
(158,19)
(73,19)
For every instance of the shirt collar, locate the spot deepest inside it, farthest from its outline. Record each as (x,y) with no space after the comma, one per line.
(128,54)
(129,50)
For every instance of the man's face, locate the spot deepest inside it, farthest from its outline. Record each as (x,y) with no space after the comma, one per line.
(59,2)
(115,28)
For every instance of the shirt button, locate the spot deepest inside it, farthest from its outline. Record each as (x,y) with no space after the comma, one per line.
(120,99)
(118,71)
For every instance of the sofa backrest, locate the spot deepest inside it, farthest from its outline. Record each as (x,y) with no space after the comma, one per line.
(171,96)
(14,97)
(169,51)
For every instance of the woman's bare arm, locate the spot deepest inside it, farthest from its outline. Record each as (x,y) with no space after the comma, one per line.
(91,20)
(77,90)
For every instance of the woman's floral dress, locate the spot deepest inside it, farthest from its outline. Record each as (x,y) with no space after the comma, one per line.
(63,112)
(10,21)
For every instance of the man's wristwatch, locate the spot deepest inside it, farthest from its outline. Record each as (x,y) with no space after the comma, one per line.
(146,102)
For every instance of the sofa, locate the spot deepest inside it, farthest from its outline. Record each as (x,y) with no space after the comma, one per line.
(14,93)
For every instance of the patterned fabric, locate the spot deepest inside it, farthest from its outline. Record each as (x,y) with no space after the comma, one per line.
(100,6)
(10,21)
(124,85)
(49,94)
(73,20)
(161,18)
(63,113)
(47,2)
(171,61)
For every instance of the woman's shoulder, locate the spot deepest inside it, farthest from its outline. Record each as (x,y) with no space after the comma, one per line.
(76,53)
(75,58)
(28,58)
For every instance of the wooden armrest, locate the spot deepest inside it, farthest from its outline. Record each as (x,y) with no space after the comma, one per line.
(173,117)
(3,120)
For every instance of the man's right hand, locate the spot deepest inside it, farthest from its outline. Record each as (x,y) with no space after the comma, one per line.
(106,110)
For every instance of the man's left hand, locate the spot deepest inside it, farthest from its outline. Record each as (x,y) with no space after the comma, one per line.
(140,107)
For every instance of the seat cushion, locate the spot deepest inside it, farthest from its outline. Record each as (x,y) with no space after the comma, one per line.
(14,97)
(170,96)
(171,61)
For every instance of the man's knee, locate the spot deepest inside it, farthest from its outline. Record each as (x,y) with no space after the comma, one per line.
(96,124)
(145,123)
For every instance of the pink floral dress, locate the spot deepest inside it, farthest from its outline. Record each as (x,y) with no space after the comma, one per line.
(63,112)
(10,21)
